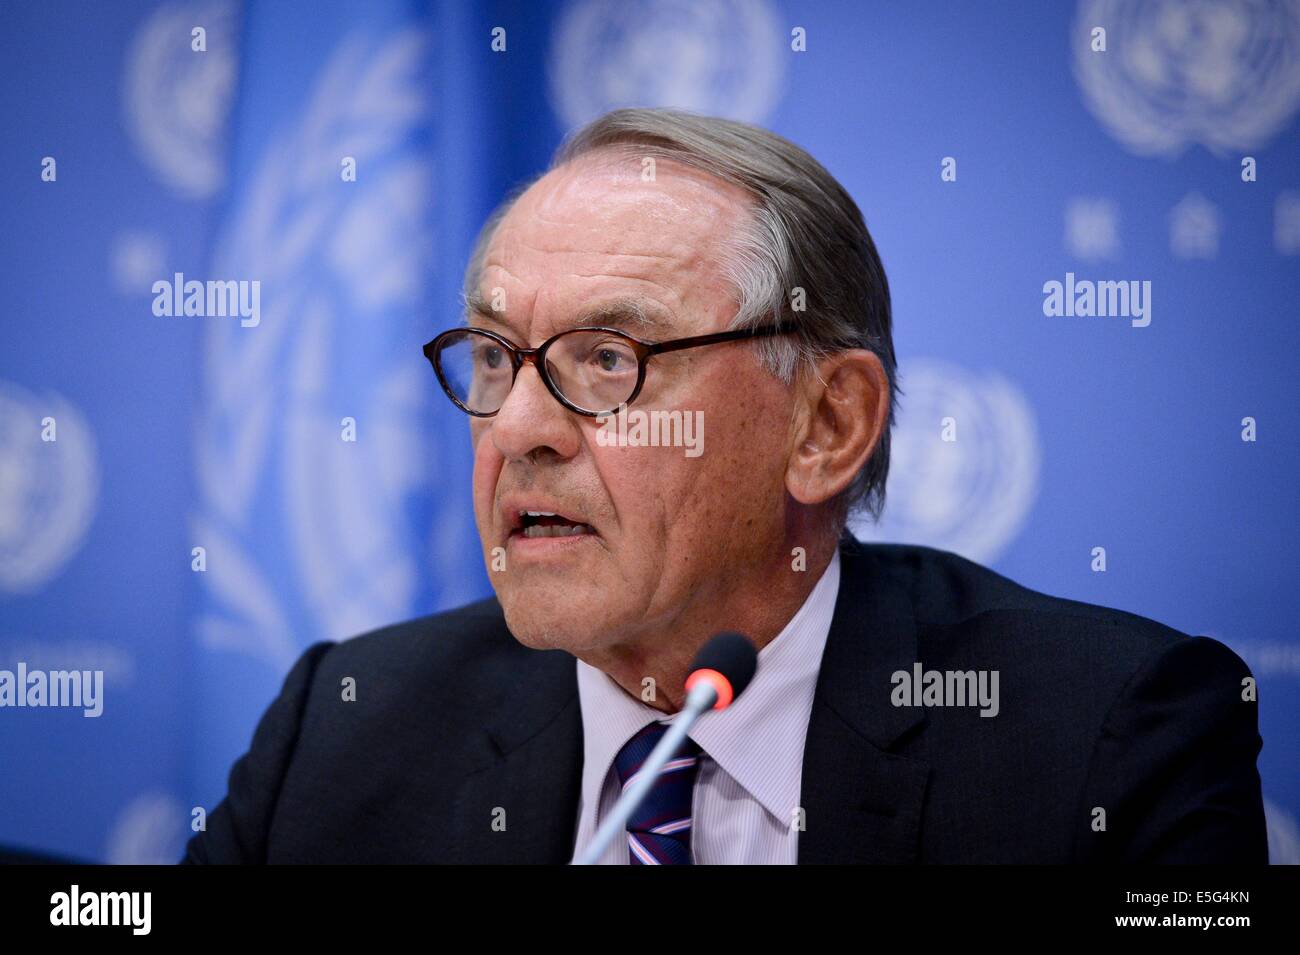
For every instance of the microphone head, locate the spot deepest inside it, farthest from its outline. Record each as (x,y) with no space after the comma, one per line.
(727,662)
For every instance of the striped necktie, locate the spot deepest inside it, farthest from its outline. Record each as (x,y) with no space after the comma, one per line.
(659,831)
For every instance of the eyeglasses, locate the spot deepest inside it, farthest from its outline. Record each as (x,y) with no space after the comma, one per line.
(591,371)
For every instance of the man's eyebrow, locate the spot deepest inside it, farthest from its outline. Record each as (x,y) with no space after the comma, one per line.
(626,313)
(476,304)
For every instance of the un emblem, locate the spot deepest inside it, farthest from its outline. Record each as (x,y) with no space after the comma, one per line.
(48,488)
(722,57)
(964,463)
(148,831)
(1222,73)
(310,529)
(176,99)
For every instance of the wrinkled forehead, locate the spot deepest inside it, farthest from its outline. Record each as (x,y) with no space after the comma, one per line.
(612,235)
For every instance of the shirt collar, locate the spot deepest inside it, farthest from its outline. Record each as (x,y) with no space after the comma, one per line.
(758,740)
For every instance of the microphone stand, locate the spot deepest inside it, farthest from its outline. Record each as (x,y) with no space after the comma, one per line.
(702,697)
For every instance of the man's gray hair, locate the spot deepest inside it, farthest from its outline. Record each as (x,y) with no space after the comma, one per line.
(806,237)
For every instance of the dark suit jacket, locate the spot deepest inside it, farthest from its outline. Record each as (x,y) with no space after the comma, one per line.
(1098,709)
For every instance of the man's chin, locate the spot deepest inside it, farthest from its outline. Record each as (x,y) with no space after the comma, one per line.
(552,630)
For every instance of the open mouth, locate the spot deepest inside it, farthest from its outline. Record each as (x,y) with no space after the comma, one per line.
(532,524)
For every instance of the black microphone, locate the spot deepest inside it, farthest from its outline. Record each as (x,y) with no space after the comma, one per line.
(721,671)
(727,663)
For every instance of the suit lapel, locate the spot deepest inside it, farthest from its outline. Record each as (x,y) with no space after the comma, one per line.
(518,803)
(862,802)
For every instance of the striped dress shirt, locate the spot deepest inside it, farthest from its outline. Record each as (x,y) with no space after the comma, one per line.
(747,791)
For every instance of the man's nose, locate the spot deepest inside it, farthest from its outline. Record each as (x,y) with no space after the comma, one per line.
(531,419)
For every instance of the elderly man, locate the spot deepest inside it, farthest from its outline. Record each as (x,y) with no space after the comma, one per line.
(908,706)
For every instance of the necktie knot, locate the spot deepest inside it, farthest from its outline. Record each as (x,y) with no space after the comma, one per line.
(659,832)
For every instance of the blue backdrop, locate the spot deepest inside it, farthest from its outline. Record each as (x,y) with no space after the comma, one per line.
(199,516)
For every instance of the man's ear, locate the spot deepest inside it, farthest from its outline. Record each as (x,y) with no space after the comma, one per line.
(844,413)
